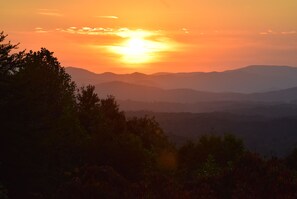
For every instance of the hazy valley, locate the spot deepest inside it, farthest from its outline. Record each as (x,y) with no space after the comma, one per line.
(187,105)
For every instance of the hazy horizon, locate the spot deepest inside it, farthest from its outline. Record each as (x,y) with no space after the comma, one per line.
(179,72)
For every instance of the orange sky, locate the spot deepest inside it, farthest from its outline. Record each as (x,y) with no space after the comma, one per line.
(150,36)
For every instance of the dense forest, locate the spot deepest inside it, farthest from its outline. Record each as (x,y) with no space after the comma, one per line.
(265,130)
(63,142)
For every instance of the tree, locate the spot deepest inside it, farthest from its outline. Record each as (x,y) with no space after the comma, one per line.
(3,192)
(40,135)
(291,160)
(9,62)
(88,105)
(224,151)
(255,177)
(149,131)
(114,120)
(208,163)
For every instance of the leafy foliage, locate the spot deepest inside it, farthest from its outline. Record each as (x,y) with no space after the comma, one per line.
(9,62)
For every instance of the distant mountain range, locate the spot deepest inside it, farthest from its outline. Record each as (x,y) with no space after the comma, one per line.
(176,94)
(249,79)
(126,91)
(256,103)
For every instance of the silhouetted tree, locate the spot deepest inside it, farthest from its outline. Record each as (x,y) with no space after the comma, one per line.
(258,178)
(114,120)
(96,182)
(3,192)
(88,105)
(40,134)
(9,62)
(208,163)
(291,160)
(110,143)
(149,131)
(223,151)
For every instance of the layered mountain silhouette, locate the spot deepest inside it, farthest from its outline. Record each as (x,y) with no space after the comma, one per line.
(246,88)
(249,79)
(126,91)
(256,103)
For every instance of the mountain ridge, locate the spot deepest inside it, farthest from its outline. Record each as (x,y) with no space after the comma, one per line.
(255,78)
(248,67)
(128,91)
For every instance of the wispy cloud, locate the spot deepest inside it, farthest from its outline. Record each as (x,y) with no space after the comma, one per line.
(116,36)
(271,32)
(40,30)
(289,32)
(49,12)
(119,32)
(107,17)
(87,30)
(185,30)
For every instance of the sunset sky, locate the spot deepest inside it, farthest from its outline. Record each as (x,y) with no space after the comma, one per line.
(149,36)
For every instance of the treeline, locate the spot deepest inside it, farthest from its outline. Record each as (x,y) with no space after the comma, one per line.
(58,141)
(273,135)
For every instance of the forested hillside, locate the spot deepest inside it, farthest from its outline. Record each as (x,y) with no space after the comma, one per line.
(270,133)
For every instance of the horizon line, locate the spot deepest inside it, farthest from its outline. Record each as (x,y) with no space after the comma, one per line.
(182,72)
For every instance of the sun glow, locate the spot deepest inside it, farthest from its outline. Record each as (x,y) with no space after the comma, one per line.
(140,47)
(135,50)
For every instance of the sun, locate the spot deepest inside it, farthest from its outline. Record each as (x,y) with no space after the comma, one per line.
(138,47)
(136,50)
(135,47)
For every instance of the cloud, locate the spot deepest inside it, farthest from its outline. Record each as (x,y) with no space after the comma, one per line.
(119,32)
(87,30)
(271,32)
(185,30)
(40,30)
(107,38)
(289,32)
(107,17)
(49,12)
